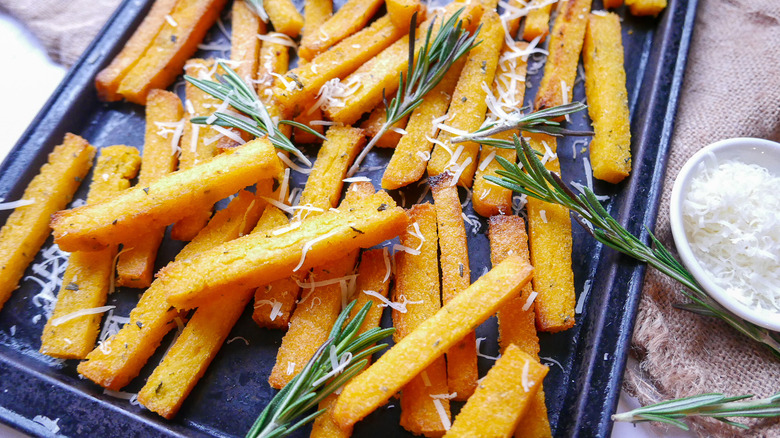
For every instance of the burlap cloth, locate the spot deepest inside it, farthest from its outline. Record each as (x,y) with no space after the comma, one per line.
(731,89)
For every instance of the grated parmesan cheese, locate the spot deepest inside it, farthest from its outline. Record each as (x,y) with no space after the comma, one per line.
(730,217)
(15,204)
(81,312)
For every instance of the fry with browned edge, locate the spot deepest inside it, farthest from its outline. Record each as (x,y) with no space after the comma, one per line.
(397,366)
(27,227)
(166,200)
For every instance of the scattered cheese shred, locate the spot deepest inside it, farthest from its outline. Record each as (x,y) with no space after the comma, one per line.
(307,246)
(15,204)
(81,312)
(529,301)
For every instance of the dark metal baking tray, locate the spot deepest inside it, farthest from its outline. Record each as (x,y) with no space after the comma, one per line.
(587,362)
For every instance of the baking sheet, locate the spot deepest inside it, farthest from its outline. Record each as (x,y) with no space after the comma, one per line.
(586,362)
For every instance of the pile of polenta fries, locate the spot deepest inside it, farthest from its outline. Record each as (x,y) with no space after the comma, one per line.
(300,259)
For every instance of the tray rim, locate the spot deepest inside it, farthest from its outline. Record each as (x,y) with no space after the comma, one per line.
(49,125)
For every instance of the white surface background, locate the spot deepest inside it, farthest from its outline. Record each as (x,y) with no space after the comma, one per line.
(25,89)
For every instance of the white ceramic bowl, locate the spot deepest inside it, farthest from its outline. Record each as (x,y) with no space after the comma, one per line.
(764,153)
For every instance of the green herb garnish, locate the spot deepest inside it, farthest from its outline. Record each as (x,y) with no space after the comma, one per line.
(339,359)
(433,61)
(714,405)
(533,179)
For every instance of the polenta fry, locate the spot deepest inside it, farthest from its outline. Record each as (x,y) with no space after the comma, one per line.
(153,317)
(255,260)
(350,18)
(135,265)
(27,227)
(284,16)
(646,7)
(67,334)
(430,340)
(244,44)
(166,200)
(537,22)
(503,397)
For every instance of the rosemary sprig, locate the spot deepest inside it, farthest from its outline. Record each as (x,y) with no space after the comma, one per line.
(542,122)
(339,359)
(230,88)
(536,181)
(713,405)
(433,61)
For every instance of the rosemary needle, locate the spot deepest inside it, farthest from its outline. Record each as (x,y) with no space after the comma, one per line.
(433,61)
(339,359)
(255,119)
(534,180)
(713,405)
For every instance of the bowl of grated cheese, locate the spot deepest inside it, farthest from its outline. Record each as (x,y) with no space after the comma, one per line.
(725,220)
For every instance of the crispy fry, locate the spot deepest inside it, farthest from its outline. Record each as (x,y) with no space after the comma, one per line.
(284,16)
(455,277)
(27,227)
(467,110)
(490,199)
(108,80)
(189,357)
(274,59)
(153,317)
(380,74)
(646,7)
(418,282)
(503,397)
(315,12)
(512,21)
(372,275)
(317,310)
(565,45)
(549,232)
(171,47)
(88,275)
(312,320)
(244,44)
(135,265)
(275,301)
(323,188)
(410,158)
(537,22)
(374,123)
(516,319)
(350,18)
(612,4)
(259,259)
(196,143)
(178,373)
(430,340)
(302,84)
(401,11)
(138,209)
(605,87)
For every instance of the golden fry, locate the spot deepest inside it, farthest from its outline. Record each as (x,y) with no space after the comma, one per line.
(503,397)
(605,87)
(303,137)
(168,199)
(27,228)
(87,278)
(108,80)
(135,265)
(549,233)
(565,45)
(646,7)
(302,84)
(516,319)
(490,199)
(153,317)
(374,123)
(323,188)
(373,275)
(467,110)
(537,22)
(401,11)
(255,260)
(380,74)
(462,371)
(350,18)
(612,4)
(430,340)
(244,44)
(171,47)
(284,16)
(411,156)
(418,281)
